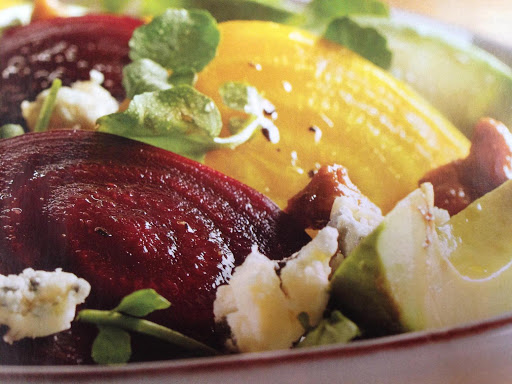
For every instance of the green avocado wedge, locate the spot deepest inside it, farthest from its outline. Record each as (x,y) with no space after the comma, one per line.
(420,270)
(463,81)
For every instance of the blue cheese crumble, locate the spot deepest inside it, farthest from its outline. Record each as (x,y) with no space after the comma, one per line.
(38,303)
(261,307)
(78,106)
(355,217)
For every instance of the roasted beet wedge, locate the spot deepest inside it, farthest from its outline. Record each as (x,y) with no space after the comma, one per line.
(32,56)
(125,215)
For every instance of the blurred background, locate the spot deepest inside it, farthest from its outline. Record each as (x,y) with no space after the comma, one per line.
(491,19)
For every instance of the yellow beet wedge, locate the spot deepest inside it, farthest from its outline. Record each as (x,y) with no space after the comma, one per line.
(332,106)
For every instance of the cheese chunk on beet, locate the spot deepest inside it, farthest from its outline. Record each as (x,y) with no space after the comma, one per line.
(32,56)
(124,216)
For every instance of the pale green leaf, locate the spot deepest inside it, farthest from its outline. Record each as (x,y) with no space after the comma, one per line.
(365,41)
(334,329)
(178,39)
(142,302)
(111,346)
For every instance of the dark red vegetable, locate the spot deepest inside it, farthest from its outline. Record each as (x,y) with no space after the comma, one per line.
(125,215)
(32,56)
(488,165)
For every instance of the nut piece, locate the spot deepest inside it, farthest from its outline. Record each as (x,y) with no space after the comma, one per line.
(488,165)
(312,206)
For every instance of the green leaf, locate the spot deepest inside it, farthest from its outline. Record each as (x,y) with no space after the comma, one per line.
(303,318)
(223,10)
(319,13)
(178,39)
(111,346)
(142,302)
(48,105)
(246,98)
(144,75)
(11,130)
(185,121)
(236,124)
(119,321)
(331,9)
(365,41)
(114,6)
(235,95)
(335,329)
(179,119)
(243,133)
(187,77)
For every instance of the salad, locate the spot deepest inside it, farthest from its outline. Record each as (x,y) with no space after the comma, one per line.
(238,176)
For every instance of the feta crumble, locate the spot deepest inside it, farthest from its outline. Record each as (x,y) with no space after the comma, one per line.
(354,218)
(38,303)
(261,307)
(78,106)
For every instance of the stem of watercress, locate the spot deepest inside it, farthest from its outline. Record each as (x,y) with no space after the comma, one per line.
(129,323)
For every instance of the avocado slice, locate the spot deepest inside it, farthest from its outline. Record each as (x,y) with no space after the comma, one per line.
(420,270)
(461,80)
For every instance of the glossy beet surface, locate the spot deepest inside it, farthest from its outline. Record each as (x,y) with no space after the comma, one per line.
(125,216)
(32,56)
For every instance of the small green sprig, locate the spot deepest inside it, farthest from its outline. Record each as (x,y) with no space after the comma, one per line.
(112,345)
(246,98)
(365,41)
(183,120)
(165,109)
(331,330)
(48,106)
(11,130)
(319,13)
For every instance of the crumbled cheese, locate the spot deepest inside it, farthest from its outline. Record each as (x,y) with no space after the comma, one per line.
(354,218)
(39,303)
(261,307)
(78,106)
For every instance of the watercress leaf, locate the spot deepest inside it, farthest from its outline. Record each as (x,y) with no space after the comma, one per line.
(366,41)
(321,12)
(335,329)
(236,124)
(235,95)
(246,98)
(178,39)
(144,75)
(334,9)
(223,10)
(114,6)
(111,346)
(180,119)
(244,133)
(116,320)
(11,130)
(188,77)
(142,302)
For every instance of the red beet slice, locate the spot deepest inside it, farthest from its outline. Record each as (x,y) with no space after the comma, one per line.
(125,215)
(32,56)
